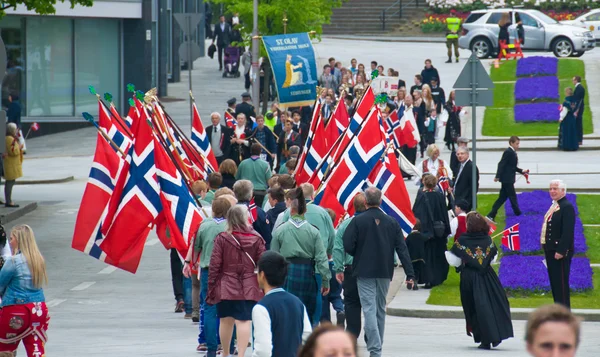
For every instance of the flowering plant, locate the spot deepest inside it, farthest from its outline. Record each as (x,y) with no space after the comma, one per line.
(529,88)
(537,202)
(512,276)
(530,231)
(558,9)
(537,65)
(527,113)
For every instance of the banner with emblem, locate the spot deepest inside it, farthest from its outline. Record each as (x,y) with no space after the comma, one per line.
(294,66)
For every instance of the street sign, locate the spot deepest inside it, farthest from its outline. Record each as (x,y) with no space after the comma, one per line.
(184,20)
(189,49)
(474,88)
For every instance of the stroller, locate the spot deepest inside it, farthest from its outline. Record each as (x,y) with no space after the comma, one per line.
(232,60)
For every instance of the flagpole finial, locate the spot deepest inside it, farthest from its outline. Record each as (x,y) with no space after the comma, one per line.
(108,97)
(130,88)
(192,96)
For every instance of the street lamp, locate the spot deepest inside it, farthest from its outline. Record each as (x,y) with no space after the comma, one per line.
(255,44)
(285,21)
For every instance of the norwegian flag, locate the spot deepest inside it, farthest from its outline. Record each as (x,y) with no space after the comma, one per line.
(87,236)
(492,227)
(314,147)
(443,183)
(402,131)
(180,212)
(336,150)
(113,129)
(136,202)
(355,164)
(511,239)
(336,125)
(526,175)
(230,121)
(252,211)
(35,126)
(200,139)
(122,124)
(133,114)
(387,177)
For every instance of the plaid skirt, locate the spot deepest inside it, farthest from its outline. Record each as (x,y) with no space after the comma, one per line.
(301,282)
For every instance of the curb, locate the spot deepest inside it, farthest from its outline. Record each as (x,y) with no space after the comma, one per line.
(578,190)
(388,39)
(527,138)
(18,213)
(43,182)
(540,149)
(457,313)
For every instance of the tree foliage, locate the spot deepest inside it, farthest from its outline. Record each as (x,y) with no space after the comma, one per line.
(302,15)
(42,7)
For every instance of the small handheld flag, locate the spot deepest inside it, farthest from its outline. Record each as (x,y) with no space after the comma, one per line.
(510,238)
(35,126)
(492,227)
(253,212)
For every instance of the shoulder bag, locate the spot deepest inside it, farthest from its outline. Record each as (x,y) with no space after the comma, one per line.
(439,228)
(248,255)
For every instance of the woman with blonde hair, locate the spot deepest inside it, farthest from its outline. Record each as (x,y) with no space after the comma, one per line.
(232,283)
(13,162)
(427,98)
(24,314)
(504,24)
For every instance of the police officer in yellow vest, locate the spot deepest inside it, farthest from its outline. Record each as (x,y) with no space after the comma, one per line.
(453,23)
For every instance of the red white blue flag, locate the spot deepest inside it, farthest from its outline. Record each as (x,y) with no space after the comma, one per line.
(201,142)
(511,239)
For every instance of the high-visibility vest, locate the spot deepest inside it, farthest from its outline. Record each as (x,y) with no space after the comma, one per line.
(453,26)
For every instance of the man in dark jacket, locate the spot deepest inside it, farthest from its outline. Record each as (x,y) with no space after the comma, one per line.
(438,95)
(507,169)
(371,238)
(430,72)
(219,137)
(276,197)
(243,192)
(247,108)
(463,180)
(418,84)
(558,242)
(579,94)
(222,35)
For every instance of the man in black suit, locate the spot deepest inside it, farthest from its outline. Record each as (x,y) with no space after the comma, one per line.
(558,232)
(454,163)
(463,180)
(579,95)
(507,169)
(418,84)
(372,238)
(246,108)
(222,35)
(219,137)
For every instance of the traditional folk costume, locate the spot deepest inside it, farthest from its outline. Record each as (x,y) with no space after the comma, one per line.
(458,226)
(299,242)
(484,301)
(415,242)
(239,152)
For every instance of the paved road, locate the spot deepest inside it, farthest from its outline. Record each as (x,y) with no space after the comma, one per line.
(97,311)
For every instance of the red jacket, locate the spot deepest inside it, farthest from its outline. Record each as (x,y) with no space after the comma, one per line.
(231,273)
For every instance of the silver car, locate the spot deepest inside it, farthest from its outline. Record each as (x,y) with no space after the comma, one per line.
(542,33)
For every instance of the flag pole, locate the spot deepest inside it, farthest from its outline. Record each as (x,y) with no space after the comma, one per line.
(118,120)
(90,118)
(312,130)
(499,234)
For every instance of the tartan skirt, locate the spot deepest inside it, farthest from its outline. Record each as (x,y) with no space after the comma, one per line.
(301,283)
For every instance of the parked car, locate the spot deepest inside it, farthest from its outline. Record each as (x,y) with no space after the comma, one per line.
(590,21)
(542,33)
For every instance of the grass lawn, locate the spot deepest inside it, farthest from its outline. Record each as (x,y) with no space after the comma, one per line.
(449,294)
(499,119)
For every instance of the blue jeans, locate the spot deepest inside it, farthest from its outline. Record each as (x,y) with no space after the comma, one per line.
(187,295)
(210,327)
(334,297)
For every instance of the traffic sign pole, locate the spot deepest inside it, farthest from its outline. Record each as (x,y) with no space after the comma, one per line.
(473,61)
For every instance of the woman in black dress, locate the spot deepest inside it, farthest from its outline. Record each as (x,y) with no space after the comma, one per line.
(484,301)
(453,124)
(430,208)
(504,24)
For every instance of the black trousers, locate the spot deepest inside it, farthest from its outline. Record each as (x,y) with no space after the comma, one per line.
(247,81)
(352,306)
(8,187)
(558,273)
(506,191)
(176,275)
(220,49)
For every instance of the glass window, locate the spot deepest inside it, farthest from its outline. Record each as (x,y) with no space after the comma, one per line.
(474,17)
(528,20)
(494,18)
(12,35)
(97,62)
(49,66)
(593,17)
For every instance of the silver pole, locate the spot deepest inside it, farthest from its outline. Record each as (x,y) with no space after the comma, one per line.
(189,35)
(473,61)
(255,43)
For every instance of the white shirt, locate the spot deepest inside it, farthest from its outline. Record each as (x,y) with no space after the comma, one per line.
(235,20)
(462,166)
(239,130)
(263,338)
(454,224)
(432,166)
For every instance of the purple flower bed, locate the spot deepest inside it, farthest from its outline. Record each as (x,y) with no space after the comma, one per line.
(530,230)
(536,88)
(519,272)
(529,113)
(537,65)
(537,202)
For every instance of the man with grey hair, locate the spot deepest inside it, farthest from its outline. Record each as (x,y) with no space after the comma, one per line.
(462,142)
(243,192)
(219,137)
(557,240)
(463,181)
(372,238)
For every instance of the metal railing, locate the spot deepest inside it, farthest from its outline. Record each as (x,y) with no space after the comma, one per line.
(399,6)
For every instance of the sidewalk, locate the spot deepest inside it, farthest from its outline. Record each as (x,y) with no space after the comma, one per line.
(414,304)
(390,38)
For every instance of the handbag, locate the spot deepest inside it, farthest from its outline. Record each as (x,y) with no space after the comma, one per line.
(211,50)
(563,112)
(439,228)
(248,255)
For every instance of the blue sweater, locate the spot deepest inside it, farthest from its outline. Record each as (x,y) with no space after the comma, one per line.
(280,325)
